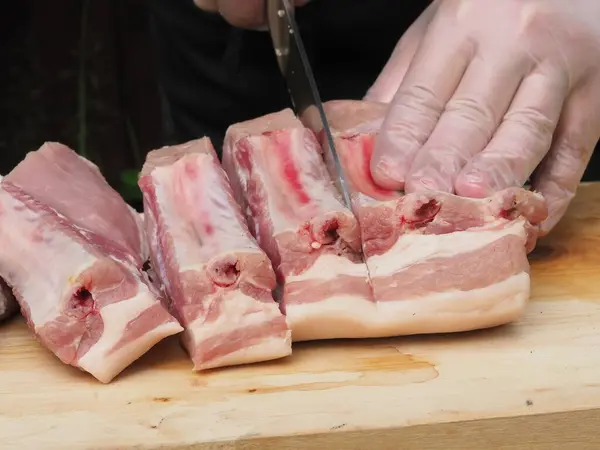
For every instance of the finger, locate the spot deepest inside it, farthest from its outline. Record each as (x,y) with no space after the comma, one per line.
(388,81)
(467,123)
(522,139)
(430,81)
(248,14)
(561,171)
(207,5)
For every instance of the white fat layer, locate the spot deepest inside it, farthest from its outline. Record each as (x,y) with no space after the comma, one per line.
(238,311)
(268,349)
(329,267)
(105,363)
(337,317)
(414,248)
(451,311)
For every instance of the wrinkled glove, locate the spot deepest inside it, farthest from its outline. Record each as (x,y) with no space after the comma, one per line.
(483,92)
(241,13)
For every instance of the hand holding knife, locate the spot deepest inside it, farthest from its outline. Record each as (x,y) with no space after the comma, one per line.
(295,67)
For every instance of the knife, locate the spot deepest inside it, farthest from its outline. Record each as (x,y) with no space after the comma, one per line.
(295,67)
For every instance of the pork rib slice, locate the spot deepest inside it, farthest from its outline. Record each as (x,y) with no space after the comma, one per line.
(219,280)
(83,298)
(279,177)
(437,262)
(72,185)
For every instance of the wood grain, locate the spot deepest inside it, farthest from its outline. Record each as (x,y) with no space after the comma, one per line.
(531,385)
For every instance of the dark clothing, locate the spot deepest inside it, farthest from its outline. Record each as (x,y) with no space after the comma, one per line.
(214,75)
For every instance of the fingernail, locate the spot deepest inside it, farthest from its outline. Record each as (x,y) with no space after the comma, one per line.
(473,177)
(427,184)
(472,184)
(427,179)
(388,172)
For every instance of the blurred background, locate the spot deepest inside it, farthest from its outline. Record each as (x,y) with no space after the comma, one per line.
(82,72)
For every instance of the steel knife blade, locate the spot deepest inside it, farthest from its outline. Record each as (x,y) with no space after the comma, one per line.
(297,72)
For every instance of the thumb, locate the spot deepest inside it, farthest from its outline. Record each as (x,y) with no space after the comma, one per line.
(558,177)
(388,81)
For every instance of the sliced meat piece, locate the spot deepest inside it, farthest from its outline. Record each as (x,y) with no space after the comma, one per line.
(219,280)
(437,262)
(81,295)
(58,177)
(8,304)
(277,173)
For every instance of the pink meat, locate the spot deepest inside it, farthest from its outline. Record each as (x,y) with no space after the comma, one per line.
(74,187)
(437,262)
(277,173)
(218,279)
(80,293)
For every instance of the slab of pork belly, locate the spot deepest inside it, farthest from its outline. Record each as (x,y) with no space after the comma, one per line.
(219,281)
(437,262)
(72,185)
(278,175)
(81,295)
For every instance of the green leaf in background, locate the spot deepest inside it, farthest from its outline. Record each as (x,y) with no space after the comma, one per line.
(129,187)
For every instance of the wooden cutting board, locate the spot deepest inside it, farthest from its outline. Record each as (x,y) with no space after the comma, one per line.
(531,385)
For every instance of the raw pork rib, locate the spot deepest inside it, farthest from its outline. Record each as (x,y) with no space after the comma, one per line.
(55,175)
(437,262)
(82,293)
(279,177)
(218,279)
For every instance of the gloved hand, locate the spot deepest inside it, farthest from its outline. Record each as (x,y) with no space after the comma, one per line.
(487,90)
(241,13)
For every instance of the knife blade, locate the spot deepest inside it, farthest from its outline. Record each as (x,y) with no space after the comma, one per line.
(297,72)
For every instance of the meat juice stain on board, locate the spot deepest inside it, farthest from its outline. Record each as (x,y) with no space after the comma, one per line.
(323,365)
(544,252)
(314,366)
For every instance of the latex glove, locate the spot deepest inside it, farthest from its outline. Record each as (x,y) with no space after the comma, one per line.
(241,13)
(493,89)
